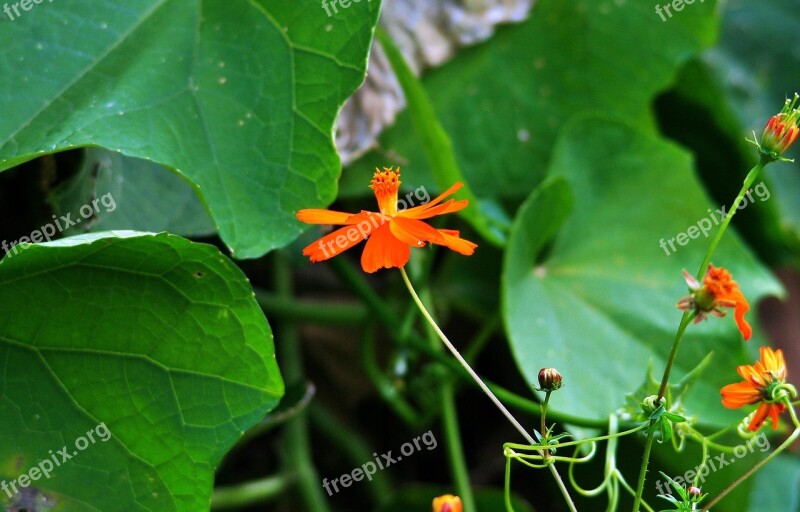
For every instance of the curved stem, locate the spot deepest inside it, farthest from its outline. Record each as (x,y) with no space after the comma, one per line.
(249,493)
(576,443)
(482,385)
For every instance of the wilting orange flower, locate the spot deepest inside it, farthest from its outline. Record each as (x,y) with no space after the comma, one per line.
(761,384)
(391,232)
(447,503)
(718,290)
(782,130)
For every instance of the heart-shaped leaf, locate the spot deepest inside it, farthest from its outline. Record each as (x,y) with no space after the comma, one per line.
(595,297)
(238,96)
(141,358)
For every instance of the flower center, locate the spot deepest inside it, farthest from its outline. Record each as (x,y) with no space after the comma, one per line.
(385,184)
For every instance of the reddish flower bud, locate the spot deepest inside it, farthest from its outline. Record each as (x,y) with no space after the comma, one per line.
(549,379)
(781,131)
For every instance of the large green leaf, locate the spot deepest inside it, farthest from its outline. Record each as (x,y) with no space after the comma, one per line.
(777,486)
(503,103)
(597,300)
(156,338)
(239,96)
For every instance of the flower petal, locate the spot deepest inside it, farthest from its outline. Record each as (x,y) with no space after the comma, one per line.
(338,241)
(384,250)
(426,211)
(742,307)
(414,232)
(453,241)
(775,411)
(739,394)
(759,417)
(691,281)
(317,216)
(417,212)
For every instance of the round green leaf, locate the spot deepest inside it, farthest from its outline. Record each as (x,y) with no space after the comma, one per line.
(151,338)
(238,96)
(597,299)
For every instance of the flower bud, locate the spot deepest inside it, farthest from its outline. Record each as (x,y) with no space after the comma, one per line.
(447,503)
(549,379)
(781,130)
(650,404)
(695,492)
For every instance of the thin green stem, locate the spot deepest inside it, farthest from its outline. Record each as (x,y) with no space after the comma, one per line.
(482,385)
(507,486)
(544,421)
(298,457)
(250,493)
(748,182)
(648,446)
(685,320)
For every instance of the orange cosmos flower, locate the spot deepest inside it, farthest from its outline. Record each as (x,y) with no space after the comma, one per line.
(718,290)
(764,382)
(390,233)
(447,503)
